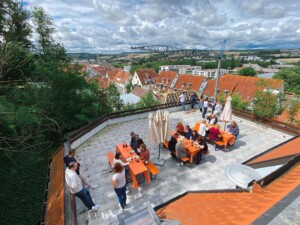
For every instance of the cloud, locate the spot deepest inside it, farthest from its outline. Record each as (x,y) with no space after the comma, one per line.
(115,25)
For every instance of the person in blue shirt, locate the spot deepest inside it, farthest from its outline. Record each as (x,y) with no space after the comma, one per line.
(188,132)
(233,128)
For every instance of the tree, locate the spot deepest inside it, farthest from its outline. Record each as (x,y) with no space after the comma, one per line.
(247,71)
(238,102)
(232,62)
(291,77)
(113,98)
(265,101)
(293,111)
(147,100)
(129,87)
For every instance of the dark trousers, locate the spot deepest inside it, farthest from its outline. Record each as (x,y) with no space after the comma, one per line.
(204,112)
(121,193)
(85,197)
(198,157)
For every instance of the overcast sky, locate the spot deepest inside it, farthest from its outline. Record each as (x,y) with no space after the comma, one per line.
(98,26)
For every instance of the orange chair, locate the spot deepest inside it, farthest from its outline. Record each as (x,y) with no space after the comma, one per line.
(110,157)
(152,169)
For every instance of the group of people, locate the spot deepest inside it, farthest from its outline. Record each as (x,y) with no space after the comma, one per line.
(199,137)
(76,181)
(203,104)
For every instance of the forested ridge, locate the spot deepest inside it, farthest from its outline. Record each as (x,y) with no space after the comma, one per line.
(43,97)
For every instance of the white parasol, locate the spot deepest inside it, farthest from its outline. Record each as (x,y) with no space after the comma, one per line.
(151,136)
(226,115)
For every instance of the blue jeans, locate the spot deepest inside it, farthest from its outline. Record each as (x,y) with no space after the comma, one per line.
(183,106)
(121,193)
(85,197)
(204,112)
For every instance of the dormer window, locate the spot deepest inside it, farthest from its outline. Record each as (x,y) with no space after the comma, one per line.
(225,92)
(169,80)
(163,80)
(182,84)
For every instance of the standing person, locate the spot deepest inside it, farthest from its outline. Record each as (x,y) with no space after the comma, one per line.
(182,100)
(193,100)
(201,101)
(214,103)
(117,159)
(134,141)
(200,143)
(119,184)
(75,185)
(205,106)
(145,154)
(71,158)
(218,109)
(203,128)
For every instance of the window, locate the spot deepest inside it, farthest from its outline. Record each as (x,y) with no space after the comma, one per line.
(225,92)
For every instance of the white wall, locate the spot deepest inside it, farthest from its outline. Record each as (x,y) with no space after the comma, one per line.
(88,135)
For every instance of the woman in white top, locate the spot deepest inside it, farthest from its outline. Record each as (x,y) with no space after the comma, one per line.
(119,184)
(205,106)
(203,128)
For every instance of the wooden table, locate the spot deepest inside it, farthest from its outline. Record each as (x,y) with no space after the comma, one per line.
(135,167)
(188,146)
(226,137)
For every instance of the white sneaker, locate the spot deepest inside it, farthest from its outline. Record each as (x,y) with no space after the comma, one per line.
(93,186)
(181,164)
(95,208)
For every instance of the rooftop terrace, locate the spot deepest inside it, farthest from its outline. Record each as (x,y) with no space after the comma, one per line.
(172,179)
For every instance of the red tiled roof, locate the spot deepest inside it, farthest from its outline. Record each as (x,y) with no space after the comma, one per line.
(191,82)
(55,206)
(287,149)
(112,73)
(234,208)
(103,82)
(121,77)
(138,91)
(245,86)
(166,78)
(146,74)
(284,117)
(100,71)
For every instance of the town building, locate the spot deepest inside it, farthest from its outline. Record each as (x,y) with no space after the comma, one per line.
(145,78)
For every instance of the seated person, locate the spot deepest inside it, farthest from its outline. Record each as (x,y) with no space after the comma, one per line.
(187,132)
(213,119)
(203,128)
(145,154)
(172,143)
(200,142)
(233,129)
(117,159)
(180,128)
(180,150)
(214,133)
(133,140)
(139,142)
(194,135)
